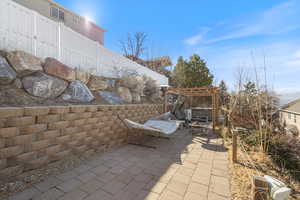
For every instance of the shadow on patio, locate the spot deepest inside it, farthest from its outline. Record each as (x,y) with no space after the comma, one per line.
(184,167)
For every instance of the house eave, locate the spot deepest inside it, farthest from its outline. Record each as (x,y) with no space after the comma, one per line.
(288,111)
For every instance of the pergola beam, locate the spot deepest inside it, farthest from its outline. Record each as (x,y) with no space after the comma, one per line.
(199,92)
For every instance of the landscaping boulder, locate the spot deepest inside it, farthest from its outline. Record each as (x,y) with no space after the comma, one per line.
(139,89)
(151,87)
(43,85)
(129,81)
(17,83)
(156,96)
(7,74)
(84,77)
(125,94)
(60,70)
(78,92)
(111,97)
(111,83)
(152,90)
(23,63)
(3,53)
(97,83)
(136,97)
(135,83)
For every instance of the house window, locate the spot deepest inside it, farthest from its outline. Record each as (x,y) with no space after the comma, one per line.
(54,12)
(295,118)
(57,13)
(76,19)
(61,15)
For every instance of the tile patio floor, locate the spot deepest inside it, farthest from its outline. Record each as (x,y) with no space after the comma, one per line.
(185,167)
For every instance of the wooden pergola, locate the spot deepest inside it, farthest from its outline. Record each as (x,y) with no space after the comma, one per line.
(212,92)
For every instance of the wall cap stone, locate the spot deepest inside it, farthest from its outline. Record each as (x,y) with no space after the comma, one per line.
(6,112)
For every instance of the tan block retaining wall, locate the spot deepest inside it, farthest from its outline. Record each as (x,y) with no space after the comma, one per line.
(32,137)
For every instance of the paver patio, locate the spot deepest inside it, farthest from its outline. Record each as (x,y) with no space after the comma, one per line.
(185,167)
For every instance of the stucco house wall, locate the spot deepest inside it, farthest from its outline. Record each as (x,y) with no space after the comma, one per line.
(72,20)
(290,118)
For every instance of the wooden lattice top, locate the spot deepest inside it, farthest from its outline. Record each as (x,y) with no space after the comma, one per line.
(205,91)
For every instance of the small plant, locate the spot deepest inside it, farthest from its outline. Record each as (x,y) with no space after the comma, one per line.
(285,151)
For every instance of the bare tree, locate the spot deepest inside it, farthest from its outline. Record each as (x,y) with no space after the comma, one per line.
(253,105)
(134,45)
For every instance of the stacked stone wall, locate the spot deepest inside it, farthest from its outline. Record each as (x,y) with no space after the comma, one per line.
(33,137)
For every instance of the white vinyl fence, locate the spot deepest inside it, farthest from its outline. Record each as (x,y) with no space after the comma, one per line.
(27,30)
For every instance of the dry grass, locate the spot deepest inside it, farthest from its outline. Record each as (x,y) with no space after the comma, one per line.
(241,172)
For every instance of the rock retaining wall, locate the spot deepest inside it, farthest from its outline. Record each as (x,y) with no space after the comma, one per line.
(54,81)
(32,137)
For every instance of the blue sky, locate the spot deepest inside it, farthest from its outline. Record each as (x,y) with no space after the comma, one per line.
(227,34)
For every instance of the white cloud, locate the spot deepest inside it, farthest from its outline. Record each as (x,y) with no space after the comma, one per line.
(297,54)
(295,60)
(225,60)
(279,19)
(295,63)
(281,56)
(194,40)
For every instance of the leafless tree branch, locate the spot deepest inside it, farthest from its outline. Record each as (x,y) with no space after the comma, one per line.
(134,44)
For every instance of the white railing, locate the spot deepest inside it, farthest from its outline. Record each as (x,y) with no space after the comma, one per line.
(27,30)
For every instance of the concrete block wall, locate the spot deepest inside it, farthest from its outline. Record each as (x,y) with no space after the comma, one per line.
(32,137)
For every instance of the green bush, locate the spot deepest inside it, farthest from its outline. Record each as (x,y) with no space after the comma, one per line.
(251,138)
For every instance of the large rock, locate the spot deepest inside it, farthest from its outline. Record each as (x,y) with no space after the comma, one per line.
(152,90)
(17,83)
(78,92)
(84,77)
(136,97)
(111,97)
(7,74)
(135,83)
(3,53)
(125,94)
(151,87)
(139,89)
(43,85)
(97,83)
(60,70)
(156,96)
(23,63)
(111,83)
(129,81)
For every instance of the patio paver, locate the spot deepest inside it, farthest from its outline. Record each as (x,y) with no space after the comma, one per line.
(185,167)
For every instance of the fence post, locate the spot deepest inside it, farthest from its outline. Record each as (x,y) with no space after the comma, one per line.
(34,33)
(228,128)
(98,71)
(226,123)
(234,146)
(59,45)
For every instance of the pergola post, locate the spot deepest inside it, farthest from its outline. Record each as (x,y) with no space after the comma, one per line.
(214,110)
(217,107)
(165,102)
(200,92)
